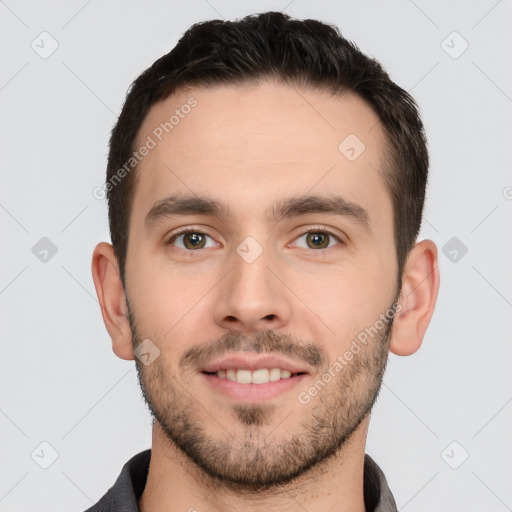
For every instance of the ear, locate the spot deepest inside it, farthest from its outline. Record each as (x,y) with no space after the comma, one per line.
(420,286)
(111,295)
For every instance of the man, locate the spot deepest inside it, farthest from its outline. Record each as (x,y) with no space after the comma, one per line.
(266,183)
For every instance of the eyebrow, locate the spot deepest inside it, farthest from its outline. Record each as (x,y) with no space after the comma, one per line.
(333,204)
(173,206)
(181,205)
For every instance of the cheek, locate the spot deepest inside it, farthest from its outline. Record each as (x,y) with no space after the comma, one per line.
(344,301)
(160,295)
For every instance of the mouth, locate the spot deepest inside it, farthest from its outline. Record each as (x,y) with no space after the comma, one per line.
(259,376)
(253,379)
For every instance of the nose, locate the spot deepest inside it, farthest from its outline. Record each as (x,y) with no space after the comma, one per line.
(252,298)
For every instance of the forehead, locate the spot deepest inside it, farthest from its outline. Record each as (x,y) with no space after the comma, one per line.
(252,145)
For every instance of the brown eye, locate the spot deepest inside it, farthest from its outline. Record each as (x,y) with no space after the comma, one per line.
(194,240)
(317,240)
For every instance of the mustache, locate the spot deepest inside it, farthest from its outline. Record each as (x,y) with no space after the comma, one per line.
(262,342)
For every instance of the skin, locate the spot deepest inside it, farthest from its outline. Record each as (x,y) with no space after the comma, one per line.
(251,146)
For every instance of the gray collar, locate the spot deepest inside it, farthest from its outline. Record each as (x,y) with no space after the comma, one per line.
(377,495)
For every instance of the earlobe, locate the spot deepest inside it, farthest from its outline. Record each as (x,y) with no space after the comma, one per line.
(420,286)
(112,299)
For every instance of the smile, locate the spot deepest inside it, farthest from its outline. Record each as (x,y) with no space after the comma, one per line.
(252,386)
(260,376)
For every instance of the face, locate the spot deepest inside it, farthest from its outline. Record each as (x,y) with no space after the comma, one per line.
(260,257)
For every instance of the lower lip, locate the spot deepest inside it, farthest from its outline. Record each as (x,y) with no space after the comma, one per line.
(253,392)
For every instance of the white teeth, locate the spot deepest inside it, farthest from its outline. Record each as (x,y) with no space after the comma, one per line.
(275,374)
(243,376)
(260,376)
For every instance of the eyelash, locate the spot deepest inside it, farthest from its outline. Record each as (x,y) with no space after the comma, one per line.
(321,230)
(185,232)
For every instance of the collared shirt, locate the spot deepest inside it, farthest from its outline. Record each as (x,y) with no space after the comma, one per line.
(124,494)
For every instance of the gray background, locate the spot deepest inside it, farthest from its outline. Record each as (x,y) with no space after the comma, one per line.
(60,381)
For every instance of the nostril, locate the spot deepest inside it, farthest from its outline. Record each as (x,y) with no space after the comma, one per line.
(270,317)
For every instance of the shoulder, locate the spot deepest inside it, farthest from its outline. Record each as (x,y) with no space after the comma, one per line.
(123,495)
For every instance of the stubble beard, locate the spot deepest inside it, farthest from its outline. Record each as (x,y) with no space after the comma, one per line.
(245,458)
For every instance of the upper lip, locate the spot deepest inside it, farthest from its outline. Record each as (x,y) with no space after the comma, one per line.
(252,363)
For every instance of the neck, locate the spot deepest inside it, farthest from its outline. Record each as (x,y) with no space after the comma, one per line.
(175,484)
